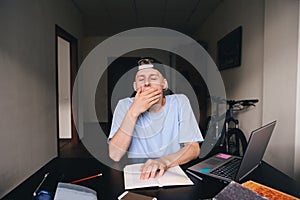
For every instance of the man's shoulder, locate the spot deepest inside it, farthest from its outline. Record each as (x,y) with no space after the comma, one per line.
(178,97)
(125,102)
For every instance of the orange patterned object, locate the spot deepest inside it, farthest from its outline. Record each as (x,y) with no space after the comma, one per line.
(268,192)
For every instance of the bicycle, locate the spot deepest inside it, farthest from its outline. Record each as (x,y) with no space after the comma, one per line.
(230,139)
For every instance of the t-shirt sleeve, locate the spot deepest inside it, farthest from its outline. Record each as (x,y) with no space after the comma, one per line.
(189,130)
(118,116)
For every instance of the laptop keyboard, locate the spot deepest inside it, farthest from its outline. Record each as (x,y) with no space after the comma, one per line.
(228,170)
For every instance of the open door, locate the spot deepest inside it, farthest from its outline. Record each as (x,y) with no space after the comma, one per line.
(66,70)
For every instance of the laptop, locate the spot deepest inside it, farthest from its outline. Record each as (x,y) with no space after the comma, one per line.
(233,168)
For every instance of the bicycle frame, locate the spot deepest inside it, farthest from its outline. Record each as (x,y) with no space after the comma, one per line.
(222,136)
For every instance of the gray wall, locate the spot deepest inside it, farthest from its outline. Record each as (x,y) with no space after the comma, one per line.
(28,137)
(268,70)
(281,46)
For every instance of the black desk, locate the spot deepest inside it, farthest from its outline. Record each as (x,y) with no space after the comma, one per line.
(111,184)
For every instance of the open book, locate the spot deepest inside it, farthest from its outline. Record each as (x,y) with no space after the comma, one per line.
(173,176)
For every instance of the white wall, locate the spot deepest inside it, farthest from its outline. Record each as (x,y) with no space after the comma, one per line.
(280,80)
(28,136)
(268,70)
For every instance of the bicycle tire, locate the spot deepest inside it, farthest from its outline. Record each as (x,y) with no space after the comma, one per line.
(236,142)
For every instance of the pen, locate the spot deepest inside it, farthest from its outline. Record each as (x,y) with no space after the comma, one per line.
(122,195)
(35,192)
(86,178)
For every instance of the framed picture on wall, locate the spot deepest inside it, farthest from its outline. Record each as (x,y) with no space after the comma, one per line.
(229,50)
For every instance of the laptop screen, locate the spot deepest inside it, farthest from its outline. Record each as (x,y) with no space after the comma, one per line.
(256,148)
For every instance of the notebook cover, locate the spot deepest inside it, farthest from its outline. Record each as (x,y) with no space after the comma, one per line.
(234,191)
(268,192)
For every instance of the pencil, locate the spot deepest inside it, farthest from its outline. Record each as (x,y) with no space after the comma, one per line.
(86,178)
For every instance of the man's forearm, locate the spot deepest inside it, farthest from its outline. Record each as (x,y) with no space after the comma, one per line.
(189,152)
(120,142)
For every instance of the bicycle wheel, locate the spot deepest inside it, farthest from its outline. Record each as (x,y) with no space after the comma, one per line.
(236,142)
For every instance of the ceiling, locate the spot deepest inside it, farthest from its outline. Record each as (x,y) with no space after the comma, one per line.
(108,17)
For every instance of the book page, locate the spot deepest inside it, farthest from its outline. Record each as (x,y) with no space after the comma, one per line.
(173,176)
(132,179)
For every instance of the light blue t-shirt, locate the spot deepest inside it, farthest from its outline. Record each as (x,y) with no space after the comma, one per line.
(159,134)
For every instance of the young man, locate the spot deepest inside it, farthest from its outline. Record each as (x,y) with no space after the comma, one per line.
(151,125)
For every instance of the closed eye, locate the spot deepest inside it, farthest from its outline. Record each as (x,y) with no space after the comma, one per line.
(154,77)
(140,78)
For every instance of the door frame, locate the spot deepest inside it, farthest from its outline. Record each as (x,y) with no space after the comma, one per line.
(73,72)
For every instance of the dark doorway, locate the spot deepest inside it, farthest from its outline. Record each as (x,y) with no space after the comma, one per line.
(114,72)
(199,86)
